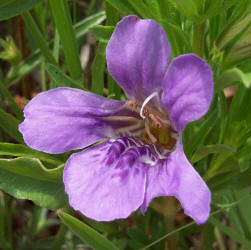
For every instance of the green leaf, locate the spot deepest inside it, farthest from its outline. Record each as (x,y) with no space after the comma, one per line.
(207,237)
(230,178)
(81,28)
(228,231)
(231,77)
(178,39)
(22,150)
(239,108)
(234,41)
(122,6)
(243,210)
(60,78)
(104,227)
(12,8)
(218,6)
(201,133)
(24,68)
(86,233)
(153,5)
(211,149)
(27,178)
(10,125)
(98,69)
(5,92)
(112,15)
(5,2)
(33,168)
(188,8)
(102,33)
(61,16)
(38,37)
(181,228)
(141,8)
(112,18)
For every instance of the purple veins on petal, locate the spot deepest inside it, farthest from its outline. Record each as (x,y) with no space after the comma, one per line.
(105,189)
(143,156)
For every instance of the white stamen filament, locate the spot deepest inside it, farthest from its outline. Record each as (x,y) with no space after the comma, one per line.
(151,136)
(145,102)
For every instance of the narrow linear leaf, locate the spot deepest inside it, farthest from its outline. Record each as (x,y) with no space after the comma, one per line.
(13,8)
(60,78)
(211,149)
(141,8)
(86,233)
(22,150)
(122,6)
(38,37)
(187,226)
(81,28)
(228,231)
(202,132)
(243,210)
(61,16)
(5,2)
(98,69)
(155,8)
(5,92)
(10,125)
(102,33)
(188,8)
(112,18)
(228,47)
(112,15)
(231,77)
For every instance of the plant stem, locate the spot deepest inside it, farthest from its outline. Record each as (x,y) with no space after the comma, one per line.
(198,39)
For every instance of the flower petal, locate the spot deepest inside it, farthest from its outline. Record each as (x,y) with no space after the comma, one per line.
(65,119)
(107,181)
(137,56)
(187,89)
(178,178)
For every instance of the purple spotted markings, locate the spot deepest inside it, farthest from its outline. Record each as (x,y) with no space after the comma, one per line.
(142,156)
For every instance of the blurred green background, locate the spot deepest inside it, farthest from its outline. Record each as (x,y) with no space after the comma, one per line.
(47,44)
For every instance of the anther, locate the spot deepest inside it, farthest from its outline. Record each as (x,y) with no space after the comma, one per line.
(145,102)
(155,120)
(132,104)
(145,112)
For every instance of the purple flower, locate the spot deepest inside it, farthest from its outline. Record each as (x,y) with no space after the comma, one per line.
(143,155)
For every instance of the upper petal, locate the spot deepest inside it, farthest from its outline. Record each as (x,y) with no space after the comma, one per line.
(187,89)
(177,177)
(106,182)
(137,56)
(65,119)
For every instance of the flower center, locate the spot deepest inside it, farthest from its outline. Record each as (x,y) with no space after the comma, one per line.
(158,129)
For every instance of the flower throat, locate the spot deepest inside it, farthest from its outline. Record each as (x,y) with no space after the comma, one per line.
(158,129)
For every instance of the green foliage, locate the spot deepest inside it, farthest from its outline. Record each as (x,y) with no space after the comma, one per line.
(102,33)
(60,78)
(86,233)
(11,8)
(10,125)
(27,178)
(218,145)
(61,16)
